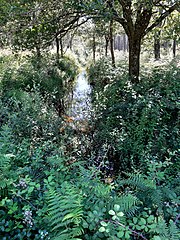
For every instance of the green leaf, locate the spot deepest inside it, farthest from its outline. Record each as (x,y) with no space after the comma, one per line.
(30,189)
(135,220)
(138,227)
(120,234)
(104,224)
(156,238)
(115,217)
(127,235)
(102,229)
(50,178)
(111,212)
(142,221)
(20,226)
(120,214)
(152,226)
(85,224)
(116,207)
(146,229)
(68,216)
(150,219)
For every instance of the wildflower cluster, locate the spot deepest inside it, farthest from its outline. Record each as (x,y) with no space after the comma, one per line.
(28,220)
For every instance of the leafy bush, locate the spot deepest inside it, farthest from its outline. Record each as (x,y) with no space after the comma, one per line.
(53,80)
(135,123)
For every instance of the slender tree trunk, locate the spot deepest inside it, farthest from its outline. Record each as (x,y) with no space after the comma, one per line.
(94,48)
(111,43)
(71,42)
(124,42)
(106,45)
(38,51)
(157,45)
(174,48)
(61,47)
(57,48)
(38,55)
(134,58)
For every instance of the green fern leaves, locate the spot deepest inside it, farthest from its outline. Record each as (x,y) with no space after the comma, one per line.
(65,212)
(5,164)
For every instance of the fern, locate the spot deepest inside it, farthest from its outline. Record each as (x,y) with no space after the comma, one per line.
(174,231)
(139,181)
(128,204)
(5,164)
(167,232)
(146,190)
(65,212)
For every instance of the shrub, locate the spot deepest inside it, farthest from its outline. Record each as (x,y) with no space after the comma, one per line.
(53,80)
(134,123)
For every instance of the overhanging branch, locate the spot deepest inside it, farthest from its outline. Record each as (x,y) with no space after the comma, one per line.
(162,17)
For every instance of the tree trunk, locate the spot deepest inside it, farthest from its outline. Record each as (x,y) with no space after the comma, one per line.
(71,42)
(157,45)
(134,58)
(61,46)
(38,52)
(174,48)
(57,49)
(106,45)
(94,48)
(111,43)
(124,42)
(38,55)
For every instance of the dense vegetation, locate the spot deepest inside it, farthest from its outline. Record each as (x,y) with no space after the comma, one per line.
(50,191)
(111,175)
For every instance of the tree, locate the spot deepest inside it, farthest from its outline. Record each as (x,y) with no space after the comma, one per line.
(137,20)
(36,24)
(111,39)
(157,41)
(171,30)
(4,13)
(138,17)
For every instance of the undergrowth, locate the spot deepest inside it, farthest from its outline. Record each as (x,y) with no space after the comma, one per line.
(49,191)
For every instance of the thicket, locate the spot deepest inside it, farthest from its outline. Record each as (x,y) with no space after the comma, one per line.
(136,124)
(48,192)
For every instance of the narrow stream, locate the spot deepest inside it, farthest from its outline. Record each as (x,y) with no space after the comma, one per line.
(80,108)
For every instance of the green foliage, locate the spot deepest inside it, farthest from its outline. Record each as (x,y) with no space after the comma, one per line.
(138,122)
(103,73)
(48,192)
(53,80)
(65,212)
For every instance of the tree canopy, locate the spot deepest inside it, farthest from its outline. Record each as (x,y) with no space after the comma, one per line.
(36,24)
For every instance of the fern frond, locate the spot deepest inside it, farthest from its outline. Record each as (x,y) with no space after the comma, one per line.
(161,228)
(77,231)
(156,197)
(167,232)
(146,190)
(128,203)
(138,181)
(5,164)
(174,231)
(65,212)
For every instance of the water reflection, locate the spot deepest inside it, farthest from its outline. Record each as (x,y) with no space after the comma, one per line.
(80,108)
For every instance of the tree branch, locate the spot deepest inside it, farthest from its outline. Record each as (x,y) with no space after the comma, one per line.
(127,14)
(162,17)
